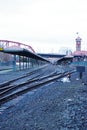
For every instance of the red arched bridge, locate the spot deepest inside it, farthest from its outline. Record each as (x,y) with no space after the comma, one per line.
(17,48)
(14,45)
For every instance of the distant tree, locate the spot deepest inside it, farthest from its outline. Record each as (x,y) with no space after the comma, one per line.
(65,51)
(5,57)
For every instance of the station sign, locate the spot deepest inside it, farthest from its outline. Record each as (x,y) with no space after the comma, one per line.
(80,68)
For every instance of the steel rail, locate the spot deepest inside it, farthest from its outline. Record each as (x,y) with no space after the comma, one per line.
(31,87)
(20,77)
(7,89)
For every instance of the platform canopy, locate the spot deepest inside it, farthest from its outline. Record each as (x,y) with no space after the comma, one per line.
(23,52)
(64,59)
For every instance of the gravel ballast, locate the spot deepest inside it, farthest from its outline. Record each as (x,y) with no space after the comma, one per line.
(56,106)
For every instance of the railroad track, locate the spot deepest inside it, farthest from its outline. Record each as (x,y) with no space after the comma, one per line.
(21,77)
(12,89)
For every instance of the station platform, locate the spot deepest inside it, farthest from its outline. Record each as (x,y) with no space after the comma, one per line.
(5,68)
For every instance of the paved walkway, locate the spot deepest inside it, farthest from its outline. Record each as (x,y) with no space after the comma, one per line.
(5,67)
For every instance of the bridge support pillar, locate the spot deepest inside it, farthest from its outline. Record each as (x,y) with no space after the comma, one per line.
(19,62)
(23,62)
(28,62)
(14,63)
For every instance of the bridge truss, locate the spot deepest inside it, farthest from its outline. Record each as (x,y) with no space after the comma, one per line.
(7,44)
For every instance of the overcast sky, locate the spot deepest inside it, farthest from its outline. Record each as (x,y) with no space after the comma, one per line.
(46,25)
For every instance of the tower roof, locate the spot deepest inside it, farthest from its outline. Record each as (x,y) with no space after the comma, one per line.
(78,39)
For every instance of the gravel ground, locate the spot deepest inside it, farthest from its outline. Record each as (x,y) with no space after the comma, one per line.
(57,106)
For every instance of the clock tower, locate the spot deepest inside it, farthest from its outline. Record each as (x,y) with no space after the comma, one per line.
(78,44)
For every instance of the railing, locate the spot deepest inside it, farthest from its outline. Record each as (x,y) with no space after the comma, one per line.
(79,63)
